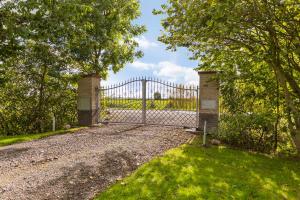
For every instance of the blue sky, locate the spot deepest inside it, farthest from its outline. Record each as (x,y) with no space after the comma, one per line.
(157,61)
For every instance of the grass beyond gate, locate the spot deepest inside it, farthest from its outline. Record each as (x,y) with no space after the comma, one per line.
(163,104)
(193,172)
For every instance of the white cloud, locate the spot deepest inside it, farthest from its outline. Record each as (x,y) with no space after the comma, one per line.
(170,71)
(176,73)
(141,65)
(144,43)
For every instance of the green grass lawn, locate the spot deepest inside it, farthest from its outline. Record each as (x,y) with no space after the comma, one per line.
(193,172)
(8,140)
(163,104)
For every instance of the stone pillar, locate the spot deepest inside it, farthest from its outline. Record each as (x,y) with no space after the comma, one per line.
(209,100)
(88,100)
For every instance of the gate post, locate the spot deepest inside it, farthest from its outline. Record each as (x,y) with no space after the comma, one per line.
(209,100)
(88,100)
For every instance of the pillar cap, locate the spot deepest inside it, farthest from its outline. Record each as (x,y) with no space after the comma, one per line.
(207,72)
(94,75)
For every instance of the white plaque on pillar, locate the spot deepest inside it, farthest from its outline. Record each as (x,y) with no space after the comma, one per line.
(209,104)
(84,103)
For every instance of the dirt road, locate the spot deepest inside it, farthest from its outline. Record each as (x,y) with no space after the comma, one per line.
(79,165)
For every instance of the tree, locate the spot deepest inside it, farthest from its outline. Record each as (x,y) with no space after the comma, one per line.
(104,37)
(35,62)
(157,96)
(44,45)
(244,38)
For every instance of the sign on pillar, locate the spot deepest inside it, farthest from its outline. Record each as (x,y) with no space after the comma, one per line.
(209,100)
(88,100)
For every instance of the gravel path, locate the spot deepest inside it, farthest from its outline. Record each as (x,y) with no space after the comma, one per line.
(79,165)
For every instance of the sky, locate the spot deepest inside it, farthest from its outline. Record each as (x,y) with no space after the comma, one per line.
(157,61)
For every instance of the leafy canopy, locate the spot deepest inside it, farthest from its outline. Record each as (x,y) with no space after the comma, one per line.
(256,45)
(46,44)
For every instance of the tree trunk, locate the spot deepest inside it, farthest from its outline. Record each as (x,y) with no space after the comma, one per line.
(296,140)
(292,110)
(297,134)
(41,103)
(277,116)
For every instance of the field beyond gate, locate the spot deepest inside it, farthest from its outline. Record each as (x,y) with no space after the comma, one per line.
(150,101)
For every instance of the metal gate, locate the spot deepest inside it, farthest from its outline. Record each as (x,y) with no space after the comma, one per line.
(150,101)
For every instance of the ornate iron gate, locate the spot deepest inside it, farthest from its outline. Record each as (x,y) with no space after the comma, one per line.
(150,101)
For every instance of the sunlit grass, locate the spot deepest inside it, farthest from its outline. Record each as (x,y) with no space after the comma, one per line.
(193,172)
(163,104)
(8,140)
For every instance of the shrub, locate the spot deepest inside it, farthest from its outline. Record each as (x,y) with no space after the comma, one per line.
(248,131)
(157,96)
(170,105)
(152,105)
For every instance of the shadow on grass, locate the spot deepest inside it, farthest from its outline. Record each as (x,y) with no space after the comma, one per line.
(193,172)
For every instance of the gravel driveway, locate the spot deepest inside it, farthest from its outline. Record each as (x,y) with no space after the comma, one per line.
(79,165)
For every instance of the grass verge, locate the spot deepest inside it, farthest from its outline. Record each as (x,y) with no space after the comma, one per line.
(8,140)
(193,172)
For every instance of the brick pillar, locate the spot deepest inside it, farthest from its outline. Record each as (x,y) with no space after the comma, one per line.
(88,100)
(209,100)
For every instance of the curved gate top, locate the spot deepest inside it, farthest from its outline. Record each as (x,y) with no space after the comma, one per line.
(150,101)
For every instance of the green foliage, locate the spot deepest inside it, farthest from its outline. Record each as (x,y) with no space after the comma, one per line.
(249,131)
(192,172)
(157,96)
(136,104)
(255,44)
(45,45)
(105,37)
(152,105)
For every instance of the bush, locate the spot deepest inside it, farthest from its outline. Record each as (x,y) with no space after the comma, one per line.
(248,131)
(170,105)
(157,96)
(152,105)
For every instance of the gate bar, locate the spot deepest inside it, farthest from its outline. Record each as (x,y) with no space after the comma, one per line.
(144,89)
